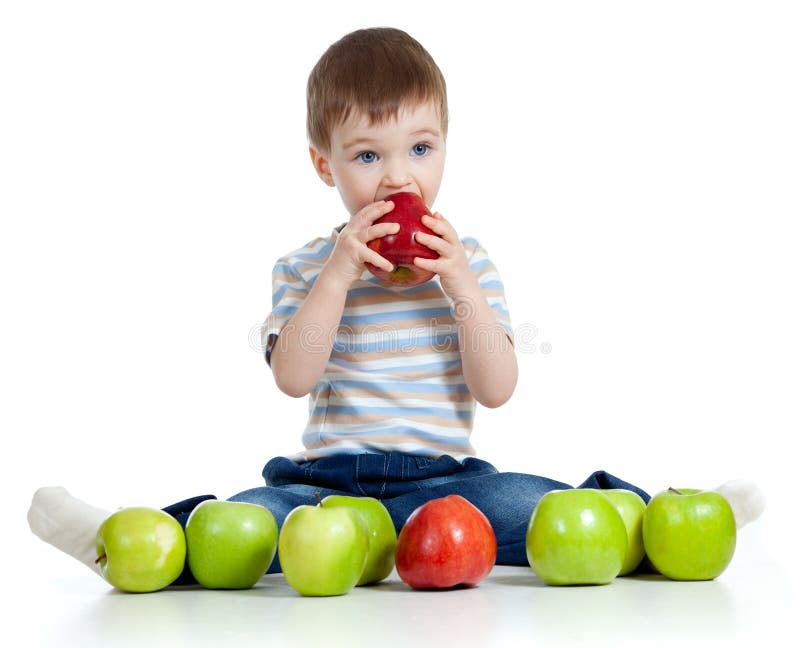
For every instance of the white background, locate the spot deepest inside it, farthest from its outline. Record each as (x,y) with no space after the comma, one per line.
(632,168)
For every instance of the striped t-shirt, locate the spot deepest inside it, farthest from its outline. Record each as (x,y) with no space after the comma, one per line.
(394,379)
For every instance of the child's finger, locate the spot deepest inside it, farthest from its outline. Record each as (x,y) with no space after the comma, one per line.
(377,260)
(439,226)
(382,229)
(376,210)
(435,243)
(426,264)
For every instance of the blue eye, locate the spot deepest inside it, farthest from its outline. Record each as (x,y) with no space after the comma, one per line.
(367,157)
(420,149)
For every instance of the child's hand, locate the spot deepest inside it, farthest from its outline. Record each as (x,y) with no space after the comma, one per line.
(452,265)
(351,252)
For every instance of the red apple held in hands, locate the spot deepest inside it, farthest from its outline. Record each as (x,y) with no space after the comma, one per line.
(444,543)
(401,248)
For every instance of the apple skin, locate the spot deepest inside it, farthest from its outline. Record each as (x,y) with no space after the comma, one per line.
(689,534)
(631,508)
(576,537)
(401,248)
(140,549)
(323,551)
(381,532)
(230,545)
(445,543)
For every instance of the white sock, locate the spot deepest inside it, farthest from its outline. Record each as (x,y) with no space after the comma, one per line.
(746,499)
(67,523)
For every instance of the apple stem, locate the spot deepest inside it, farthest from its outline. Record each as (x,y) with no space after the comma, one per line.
(319,499)
(675,490)
(99,558)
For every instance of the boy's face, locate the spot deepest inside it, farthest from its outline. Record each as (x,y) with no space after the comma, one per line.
(367,163)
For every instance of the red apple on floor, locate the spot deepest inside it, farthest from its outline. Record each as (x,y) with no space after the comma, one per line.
(444,543)
(401,248)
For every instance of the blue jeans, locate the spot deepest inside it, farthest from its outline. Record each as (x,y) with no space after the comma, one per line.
(404,482)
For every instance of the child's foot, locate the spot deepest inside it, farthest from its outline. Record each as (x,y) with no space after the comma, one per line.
(66,523)
(746,499)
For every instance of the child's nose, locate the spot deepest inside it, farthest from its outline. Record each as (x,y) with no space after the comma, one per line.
(396,175)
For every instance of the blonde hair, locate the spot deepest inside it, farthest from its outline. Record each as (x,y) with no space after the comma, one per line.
(374,72)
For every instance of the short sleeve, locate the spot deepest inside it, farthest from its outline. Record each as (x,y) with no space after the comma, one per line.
(289,290)
(490,282)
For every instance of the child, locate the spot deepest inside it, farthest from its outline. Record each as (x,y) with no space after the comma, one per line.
(393,372)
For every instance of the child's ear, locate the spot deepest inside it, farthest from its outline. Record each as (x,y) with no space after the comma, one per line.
(321,166)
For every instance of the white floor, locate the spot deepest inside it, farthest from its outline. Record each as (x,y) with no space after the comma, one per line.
(753,602)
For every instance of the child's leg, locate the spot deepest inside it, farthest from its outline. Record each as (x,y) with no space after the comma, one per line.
(70,524)
(744,496)
(508,500)
(67,523)
(746,499)
(602,479)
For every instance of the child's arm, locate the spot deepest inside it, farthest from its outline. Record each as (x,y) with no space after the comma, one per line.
(488,360)
(301,352)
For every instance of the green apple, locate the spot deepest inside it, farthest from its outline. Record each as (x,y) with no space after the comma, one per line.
(230,544)
(631,508)
(140,549)
(323,551)
(689,534)
(381,531)
(576,537)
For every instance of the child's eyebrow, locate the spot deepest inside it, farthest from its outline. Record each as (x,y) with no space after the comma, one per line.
(426,131)
(358,141)
(367,141)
